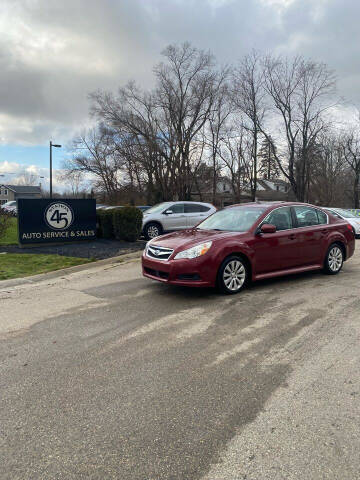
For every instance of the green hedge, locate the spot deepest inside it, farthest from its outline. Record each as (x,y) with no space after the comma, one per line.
(127,223)
(104,222)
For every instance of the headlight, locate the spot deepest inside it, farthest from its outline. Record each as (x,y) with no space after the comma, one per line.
(194,252)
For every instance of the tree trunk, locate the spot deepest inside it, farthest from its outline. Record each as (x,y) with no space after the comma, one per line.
(356,190)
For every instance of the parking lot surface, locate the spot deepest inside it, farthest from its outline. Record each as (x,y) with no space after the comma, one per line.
(107,375)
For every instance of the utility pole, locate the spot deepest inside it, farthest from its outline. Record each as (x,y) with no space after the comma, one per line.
(57,146)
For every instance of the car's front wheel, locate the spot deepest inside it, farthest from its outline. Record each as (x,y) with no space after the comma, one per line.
(152,230)
(334,259)
(232,275)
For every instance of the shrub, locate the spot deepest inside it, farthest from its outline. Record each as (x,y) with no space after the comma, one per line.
(104,221)
(127,223)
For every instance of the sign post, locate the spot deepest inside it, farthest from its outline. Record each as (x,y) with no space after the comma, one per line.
(56,221)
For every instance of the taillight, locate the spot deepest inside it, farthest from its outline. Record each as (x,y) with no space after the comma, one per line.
(349,227)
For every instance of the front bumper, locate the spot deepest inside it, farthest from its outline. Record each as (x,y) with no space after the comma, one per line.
(196,272)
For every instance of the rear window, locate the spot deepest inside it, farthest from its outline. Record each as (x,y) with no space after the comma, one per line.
(204,208)
(195,208)
(308,216)
(322,217)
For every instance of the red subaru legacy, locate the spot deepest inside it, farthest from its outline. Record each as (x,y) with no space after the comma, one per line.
(250,241)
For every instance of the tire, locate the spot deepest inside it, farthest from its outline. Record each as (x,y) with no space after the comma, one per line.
(334,259)
(232,275)
(152,230)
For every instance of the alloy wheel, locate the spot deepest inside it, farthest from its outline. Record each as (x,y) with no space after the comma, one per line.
(335,259)
(234,275)
(153,231)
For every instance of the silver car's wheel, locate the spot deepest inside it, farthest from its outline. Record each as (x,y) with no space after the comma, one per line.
(232,275)
(334,259)
(152,230)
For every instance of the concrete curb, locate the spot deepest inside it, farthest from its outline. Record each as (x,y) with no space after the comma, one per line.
(125,258)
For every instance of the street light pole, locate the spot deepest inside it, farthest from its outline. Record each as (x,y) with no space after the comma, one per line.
(51,145)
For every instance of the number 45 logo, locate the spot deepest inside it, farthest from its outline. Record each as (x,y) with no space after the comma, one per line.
(59,216)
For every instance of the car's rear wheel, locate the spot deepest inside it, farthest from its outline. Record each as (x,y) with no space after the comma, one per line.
(232,275)
(334,259)
(152,230)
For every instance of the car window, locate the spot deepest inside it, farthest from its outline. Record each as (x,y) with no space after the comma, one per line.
(159,207)
(204,208)
(322,217)
(195,208)
(192,208)
(281,218)
(176,208)
(306,216)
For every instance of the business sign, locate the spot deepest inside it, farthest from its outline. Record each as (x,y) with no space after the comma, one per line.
(56,221)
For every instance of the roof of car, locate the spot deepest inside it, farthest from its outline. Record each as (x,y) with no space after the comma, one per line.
(272,204)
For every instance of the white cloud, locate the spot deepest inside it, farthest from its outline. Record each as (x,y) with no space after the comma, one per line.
(53,53)
(14,172)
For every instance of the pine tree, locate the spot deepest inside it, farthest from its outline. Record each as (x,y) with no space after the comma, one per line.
(268,166)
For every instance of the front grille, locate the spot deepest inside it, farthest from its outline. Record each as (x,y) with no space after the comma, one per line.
(157,273)
(160,253)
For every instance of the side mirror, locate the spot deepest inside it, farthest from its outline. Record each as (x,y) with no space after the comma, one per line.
(168,212)
(267,228)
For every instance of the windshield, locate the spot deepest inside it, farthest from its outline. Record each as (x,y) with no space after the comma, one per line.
(344,213)
(159,207)
(234,219)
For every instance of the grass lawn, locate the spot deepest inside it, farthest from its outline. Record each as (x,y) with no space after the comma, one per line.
(11,236)
(13,265)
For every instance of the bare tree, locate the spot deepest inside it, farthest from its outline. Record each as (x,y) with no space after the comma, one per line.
(215,133)
(236,153)
(249,96)
(74,179)
(328,171)
(168,119)
(351,151)
(300,91)
(27,178)
(94,152)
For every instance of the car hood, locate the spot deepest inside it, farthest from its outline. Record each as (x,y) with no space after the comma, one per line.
(188,238)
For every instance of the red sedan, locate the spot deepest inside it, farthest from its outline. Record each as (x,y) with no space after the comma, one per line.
(250,241)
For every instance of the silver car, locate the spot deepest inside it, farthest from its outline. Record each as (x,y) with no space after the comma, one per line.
(171,216)
(10,207)
(345,214)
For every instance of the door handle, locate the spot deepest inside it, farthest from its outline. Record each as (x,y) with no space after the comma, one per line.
(324,231)
(292,236)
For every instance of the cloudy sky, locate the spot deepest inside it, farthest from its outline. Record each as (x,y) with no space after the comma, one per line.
(53,53)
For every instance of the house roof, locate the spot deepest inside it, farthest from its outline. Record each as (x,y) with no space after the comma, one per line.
(267,184)
(23,188)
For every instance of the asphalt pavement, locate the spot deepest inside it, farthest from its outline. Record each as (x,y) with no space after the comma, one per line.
(108,375)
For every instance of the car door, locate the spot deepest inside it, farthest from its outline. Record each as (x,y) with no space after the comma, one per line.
(195,213)
(173,218)
(279,250)
(312,233)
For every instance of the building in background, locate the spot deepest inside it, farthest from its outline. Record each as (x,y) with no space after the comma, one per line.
(267,190)
(14,192)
